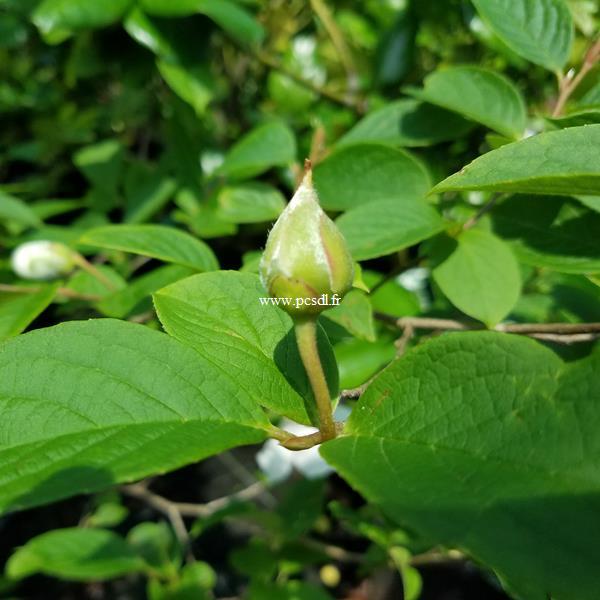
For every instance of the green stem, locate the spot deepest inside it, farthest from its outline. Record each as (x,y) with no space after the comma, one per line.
(306,337)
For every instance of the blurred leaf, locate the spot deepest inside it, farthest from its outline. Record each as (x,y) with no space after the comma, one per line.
(234,19)
(137,293)
(195,581)
(255,560)
(479,275)
(359,360)
(146,32)
(59,19)
(14,209)
(157,241)
(102,164)
(591,97)
(478,94)
(17,311)
(46,209)
(592,202)
(391,297)
(75,554)
(146,192)
(250,203)
(559,162)
(194,85)
(301,507)
(396,50)
(266,146)
(363,173)
(577,118)
(552,232)
(412,584)
(290,590)
(386,226)
(107,514)
(539,30)
(407,123)
(156,544)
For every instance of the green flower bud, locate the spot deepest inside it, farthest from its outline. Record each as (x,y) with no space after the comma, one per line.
(306,255)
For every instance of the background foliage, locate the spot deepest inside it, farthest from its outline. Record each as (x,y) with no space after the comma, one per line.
(457,145)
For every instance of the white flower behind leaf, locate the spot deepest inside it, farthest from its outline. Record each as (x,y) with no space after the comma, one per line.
(277,462)
(42,260)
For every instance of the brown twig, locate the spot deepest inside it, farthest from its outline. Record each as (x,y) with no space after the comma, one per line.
(353,393)
(339,43)
(317,145)
(61,291)
(301,442)
(482,211)
(176,511)
(273,63)
(167,507)
(562,333)
(568,85)
(87,266)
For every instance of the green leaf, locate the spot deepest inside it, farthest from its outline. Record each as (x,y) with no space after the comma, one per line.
(221,316)
(17,310)
(87,405)
(355,314)
(478,94)
(193,84)
(107,514)
(411,579)
(146,192)
(157,241)
(14,209)
(539,30)
(407,123)
(266,146)
(359,360)
(58,19)
(577,118)
(487,442)
(102,164)
(386,226)
(552,232)
(148,33)
(156,544)
(591,97)
(250,203)
(75,554)
(301,507)
(289,590)
(479,274)
(234,19)
(364,173)
(558,162)
(390,297)
(191,582)
(136,295)
(592,202)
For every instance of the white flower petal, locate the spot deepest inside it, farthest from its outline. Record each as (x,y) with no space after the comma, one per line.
(41,260)
(274,461)
(310,463)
